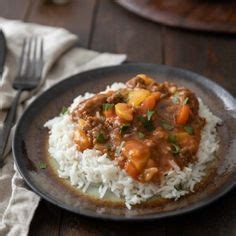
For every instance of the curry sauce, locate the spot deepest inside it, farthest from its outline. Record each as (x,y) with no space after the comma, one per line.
(146,127)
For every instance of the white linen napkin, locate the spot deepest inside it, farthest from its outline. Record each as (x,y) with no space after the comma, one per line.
(62,59)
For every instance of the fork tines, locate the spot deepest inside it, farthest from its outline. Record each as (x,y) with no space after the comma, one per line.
(31,60)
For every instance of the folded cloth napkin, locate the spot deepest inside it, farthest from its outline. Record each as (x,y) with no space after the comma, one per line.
(62,59)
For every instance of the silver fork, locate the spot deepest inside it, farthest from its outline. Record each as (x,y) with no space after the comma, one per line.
(28,78)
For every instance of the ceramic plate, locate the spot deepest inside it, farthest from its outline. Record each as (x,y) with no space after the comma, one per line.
(30,143)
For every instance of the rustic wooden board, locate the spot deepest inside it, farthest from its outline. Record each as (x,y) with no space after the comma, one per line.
(207,15)
(13,9)
(118,31)
(209,54)
(75,16)
(104,26)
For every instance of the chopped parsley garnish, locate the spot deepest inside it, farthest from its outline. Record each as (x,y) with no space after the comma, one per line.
(178,187)
(107,106)
(186,101)
(141,135)
(175,98)
(149,115)
(172,138)
(147,124)
(141,118)
(166,125)
(42,165)
(101,138)
(189,129)
(64,110)
(175,149)
(124,128)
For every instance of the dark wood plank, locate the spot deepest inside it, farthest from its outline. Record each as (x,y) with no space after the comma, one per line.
(119,31)
(46,220)
(75,16)
(116,30)
(218,219)
(73,225)
(212,55)
(14,9)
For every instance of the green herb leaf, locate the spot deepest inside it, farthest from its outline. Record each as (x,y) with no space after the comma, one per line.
(141,118)
(178,187)
(175,149)
(186,100)
(107,106)
(166,125)
(189,129)
(149,115)
(124,128)
(64,110)
(141,135)
(172,138)
(42,165)
(101,138)
(175,98)
(148,124)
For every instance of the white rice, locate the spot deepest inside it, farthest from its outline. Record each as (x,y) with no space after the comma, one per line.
(89,168)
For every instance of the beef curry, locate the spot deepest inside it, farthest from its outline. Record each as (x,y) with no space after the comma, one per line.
(146,127)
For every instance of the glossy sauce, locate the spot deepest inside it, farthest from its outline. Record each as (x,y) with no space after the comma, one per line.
(145,127)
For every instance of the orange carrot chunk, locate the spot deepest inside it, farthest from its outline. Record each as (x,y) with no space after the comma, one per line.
(109,113)
(150,102)
(183,115)
(137,152)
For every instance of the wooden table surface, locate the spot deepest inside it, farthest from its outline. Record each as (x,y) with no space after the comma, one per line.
(102,25)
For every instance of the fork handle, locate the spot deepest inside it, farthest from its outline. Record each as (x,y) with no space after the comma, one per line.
(7,125)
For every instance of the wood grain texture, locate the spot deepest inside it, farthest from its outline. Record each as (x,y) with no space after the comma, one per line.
(209,15)
(14,9)
(218,219)
(212,55)
(46,220)
(118,31)
(74,225)
(75,16)
(105,26)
